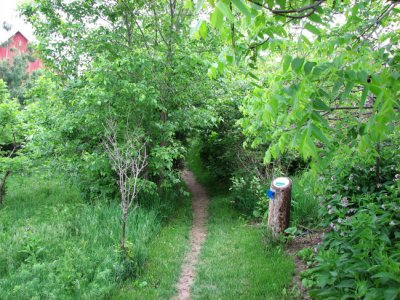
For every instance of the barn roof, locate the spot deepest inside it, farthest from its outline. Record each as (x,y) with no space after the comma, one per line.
(6,35)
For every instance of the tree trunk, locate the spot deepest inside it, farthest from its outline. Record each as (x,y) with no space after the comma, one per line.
(279,206)
(123,232)
(3,185)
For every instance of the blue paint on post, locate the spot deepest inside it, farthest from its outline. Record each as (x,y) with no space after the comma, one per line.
(271,194)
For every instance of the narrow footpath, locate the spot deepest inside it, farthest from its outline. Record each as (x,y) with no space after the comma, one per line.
(197,235)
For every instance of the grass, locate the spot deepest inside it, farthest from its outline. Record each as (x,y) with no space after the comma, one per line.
(304,203)
(235,263)
(164,262)
(53,245)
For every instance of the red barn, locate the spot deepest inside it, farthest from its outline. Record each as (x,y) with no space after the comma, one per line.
(16,45)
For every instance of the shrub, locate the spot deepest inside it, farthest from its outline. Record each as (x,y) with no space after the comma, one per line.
(360,254)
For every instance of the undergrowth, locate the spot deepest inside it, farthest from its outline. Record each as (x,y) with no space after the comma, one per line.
(55,246)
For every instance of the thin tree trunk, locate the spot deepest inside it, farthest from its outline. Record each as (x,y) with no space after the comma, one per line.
(123,233)
(3,185)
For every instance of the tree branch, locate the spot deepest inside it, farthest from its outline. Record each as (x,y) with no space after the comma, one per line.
(288,12)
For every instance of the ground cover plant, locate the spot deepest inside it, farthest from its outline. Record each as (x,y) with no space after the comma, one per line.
(54,245)
(359,256)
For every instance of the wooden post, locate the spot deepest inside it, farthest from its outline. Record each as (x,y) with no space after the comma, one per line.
(279,206)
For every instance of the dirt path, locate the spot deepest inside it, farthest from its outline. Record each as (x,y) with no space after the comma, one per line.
(197,235)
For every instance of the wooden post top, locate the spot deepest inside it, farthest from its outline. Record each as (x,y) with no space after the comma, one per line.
(281,183)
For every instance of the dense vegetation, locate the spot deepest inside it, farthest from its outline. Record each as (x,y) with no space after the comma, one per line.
(133,90)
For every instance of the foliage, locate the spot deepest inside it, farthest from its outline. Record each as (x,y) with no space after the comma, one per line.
(249,196)
(53,245)
(103,72)
(15,75)
(305,200)
(13,131)
(338,86)
(165,257)
(359,254)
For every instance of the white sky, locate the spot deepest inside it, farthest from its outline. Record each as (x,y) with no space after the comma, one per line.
(9,14)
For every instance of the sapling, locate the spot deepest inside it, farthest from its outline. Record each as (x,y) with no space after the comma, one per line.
(128,160)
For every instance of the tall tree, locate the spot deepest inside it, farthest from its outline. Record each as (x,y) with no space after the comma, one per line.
(129,61)
(339,85)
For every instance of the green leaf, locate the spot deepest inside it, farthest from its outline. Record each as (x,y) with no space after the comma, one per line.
(308,67)
(316,132)
(311,28)
(316,18)
(252,75)
(347,90)
(317,117)
(287,59)
(364,96)
(217,19)
(188,4)
(391,293)
(267,157)
(203,30)
(242,7)
(297,63)
(225,10)
(337,86)
(318,104)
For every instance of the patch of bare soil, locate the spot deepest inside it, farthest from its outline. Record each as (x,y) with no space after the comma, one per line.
(298,243)
(197,235)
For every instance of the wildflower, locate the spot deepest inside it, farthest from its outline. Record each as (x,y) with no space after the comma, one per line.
(345,202)
(315,249)
(383,206)
(330,211)
(329,206)
(378,185)
(334,195)
(392,223)
(351,210)
(333,226)
(340,220)
(358,188)
(396,177)
(351,177)
(333,177)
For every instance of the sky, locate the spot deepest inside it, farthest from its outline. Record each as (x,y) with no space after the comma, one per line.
(9,14)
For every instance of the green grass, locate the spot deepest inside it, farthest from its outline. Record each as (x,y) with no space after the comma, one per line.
(304,202)
(235,262)
(53,245)
(164,262)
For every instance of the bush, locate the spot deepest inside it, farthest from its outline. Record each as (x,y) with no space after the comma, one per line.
(360,254)
(248,196)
